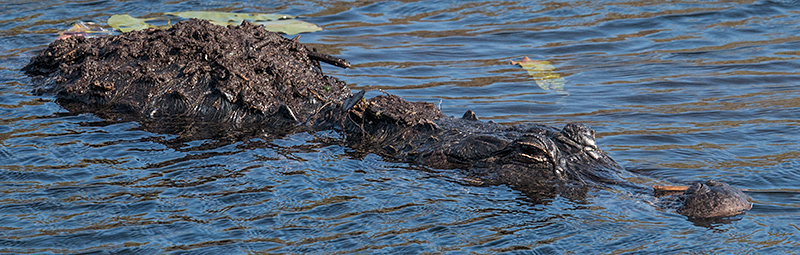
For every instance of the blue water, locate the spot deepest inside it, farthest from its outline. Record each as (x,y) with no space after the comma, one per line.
(678,92)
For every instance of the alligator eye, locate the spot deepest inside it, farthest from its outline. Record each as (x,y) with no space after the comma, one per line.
(531,151)
(531,158)
(534,146)
(529,147)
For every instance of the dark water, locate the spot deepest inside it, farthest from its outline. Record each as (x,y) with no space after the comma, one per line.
(678,92)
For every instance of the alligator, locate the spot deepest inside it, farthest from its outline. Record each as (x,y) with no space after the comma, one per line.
(199,80)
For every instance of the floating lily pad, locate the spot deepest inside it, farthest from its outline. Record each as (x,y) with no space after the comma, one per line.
(228,18)
(127,23)
(289,26)
(542,72)
(273,22)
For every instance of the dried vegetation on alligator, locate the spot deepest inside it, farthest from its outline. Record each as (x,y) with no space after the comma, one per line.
(199,81)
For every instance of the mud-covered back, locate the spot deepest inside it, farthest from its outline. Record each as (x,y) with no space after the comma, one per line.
(194,73)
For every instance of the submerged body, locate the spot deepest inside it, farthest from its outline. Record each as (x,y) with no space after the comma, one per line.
(199,80)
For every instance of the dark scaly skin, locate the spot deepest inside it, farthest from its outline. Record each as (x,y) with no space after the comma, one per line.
(713,199)
(201,81)
(539,160)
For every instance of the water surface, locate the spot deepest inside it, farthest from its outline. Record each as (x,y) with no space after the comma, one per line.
(678,91)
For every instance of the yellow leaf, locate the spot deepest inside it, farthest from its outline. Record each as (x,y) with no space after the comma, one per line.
(542,72)
(85,29)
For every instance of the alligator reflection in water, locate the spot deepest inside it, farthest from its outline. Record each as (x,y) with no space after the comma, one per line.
(247,81)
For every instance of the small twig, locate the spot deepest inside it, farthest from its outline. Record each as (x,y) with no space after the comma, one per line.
(240,75)
(328,59)
(65,55)
(258,45)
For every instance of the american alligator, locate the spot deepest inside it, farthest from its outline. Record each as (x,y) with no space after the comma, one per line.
(538,160)
(199,80)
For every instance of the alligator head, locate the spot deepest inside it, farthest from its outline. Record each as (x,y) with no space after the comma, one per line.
(543,161)
(576,161)
(713,199)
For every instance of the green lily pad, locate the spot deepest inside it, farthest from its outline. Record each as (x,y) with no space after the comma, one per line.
(279,23)
(228,18)
(289,26)
(126,23)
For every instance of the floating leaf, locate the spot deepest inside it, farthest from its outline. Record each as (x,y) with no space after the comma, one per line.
(126,23)
(289,26)
(228,18)
(542,73)
(273,22)
(85,29)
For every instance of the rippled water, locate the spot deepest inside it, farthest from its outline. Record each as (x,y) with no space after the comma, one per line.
(678,91)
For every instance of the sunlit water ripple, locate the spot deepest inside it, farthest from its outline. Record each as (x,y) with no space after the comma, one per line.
(678,92)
